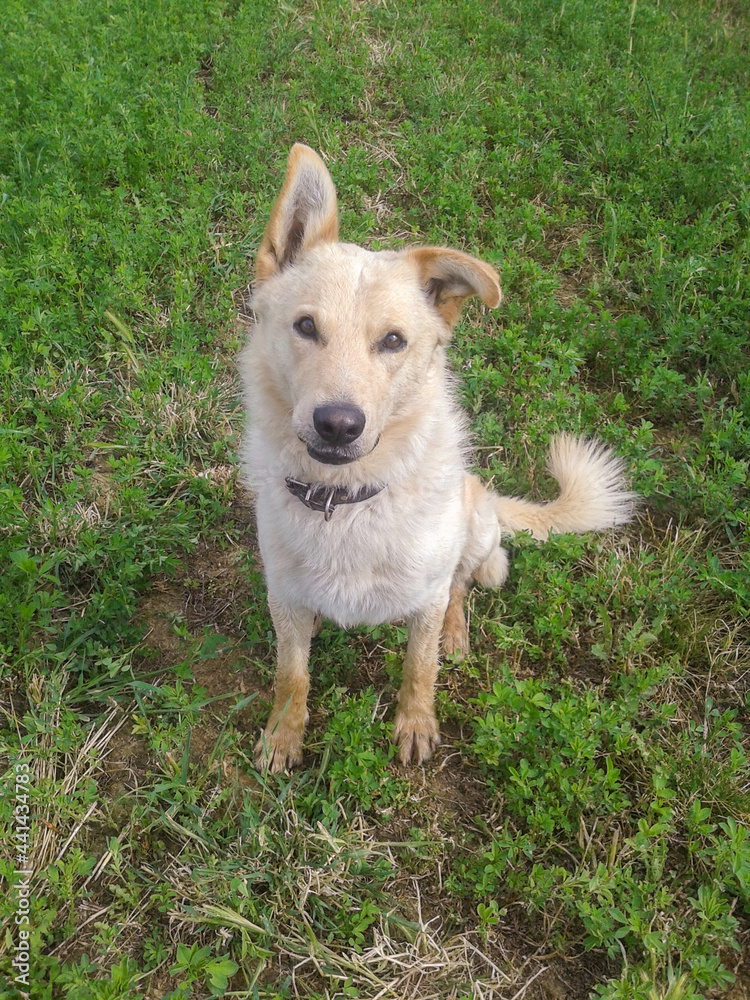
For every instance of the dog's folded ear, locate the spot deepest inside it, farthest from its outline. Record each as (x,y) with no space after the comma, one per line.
(450,276)
(304,213)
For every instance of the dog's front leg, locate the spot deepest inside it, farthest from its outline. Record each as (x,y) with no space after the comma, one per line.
(280,746)
(415,730)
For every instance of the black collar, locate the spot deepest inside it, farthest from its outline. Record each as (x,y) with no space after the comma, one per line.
(318,496)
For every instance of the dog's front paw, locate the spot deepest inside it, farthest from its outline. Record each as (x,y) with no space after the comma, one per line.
(278,750)
(416,736)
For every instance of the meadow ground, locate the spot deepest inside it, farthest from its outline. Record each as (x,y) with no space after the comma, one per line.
(584,826)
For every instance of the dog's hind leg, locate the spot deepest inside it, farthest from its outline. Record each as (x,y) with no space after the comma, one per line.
(491,572)
(280,746)
(455,632)
(415,730)
(483,560)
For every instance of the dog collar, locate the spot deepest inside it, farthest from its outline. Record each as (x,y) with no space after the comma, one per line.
(318,496)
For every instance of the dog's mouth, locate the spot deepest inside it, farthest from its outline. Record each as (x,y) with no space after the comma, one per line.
(331,456)
(335,455)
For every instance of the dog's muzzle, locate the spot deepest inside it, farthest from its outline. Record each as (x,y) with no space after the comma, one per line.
(338,426)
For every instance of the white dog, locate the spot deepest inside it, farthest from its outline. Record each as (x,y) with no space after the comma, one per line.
(355,451)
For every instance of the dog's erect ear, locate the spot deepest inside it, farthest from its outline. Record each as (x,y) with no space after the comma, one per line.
(304,213)
(449,276)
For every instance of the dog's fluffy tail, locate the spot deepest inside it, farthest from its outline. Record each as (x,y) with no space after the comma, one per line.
(592,492)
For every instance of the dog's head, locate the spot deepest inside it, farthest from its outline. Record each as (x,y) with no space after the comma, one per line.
(348,341)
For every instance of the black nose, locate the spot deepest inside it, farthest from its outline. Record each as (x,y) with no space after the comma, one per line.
(339,423)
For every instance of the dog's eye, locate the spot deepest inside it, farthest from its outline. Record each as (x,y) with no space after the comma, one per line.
(392,341)
(305,327)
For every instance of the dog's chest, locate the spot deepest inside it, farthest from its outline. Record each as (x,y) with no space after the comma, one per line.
(375,561)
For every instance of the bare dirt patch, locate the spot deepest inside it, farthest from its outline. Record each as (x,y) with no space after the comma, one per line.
(200,616)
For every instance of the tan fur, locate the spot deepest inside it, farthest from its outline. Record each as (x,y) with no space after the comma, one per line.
(412,550)
(452,277)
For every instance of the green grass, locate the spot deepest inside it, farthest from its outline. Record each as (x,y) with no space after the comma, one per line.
(585,827)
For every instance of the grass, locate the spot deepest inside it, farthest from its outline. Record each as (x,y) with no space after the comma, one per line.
(585,826)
